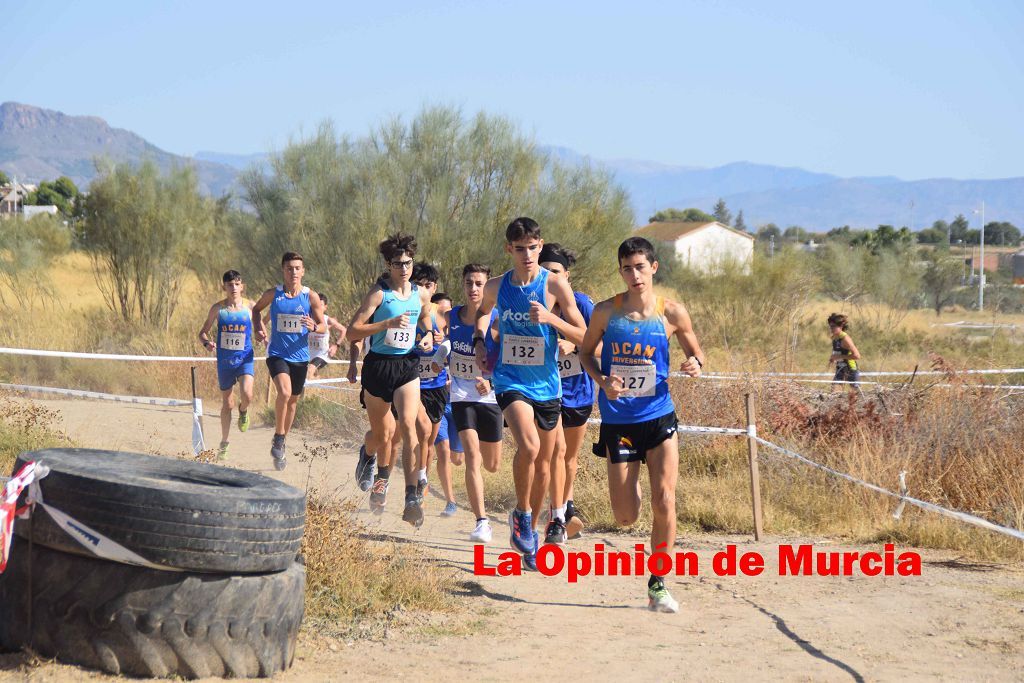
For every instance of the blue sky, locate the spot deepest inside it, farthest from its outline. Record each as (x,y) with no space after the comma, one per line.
(913,89)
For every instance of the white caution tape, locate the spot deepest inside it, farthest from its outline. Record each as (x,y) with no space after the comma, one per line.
(694,429)
(198,442)
(12,489)
(924,505)
(78,393)
(121,356)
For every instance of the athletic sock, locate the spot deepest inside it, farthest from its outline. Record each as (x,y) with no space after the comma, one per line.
(423,474)
(384,472)
(481,519)
(655,581)
(410,491)
(559,514)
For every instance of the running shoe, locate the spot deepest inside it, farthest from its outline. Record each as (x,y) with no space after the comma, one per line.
(521,535)
(366,469)
(530,559)
(659,600)
(222,452)
(573,521)
(482,532)
(277,452)
(555,533)
(243,421)
(422,488)
(413,512)
(450,509)
(379,495)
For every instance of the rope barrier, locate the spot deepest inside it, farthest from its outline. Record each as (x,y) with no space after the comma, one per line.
(132,357)
(78,393)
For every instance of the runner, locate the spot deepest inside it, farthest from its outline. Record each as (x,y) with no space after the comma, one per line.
(433,377)
(388,315)
(638,416)
(475,412)
(526,377)
(844,352)
(449,452)
(320,346)
(233,317)
(295,311)
(577,404)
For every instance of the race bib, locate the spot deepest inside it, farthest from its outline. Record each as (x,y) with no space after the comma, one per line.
(289,323)
(400,337)
(232,341)
(425,369)
(463,367)
(570,366)
(319,344)
(640,380)
(517,349)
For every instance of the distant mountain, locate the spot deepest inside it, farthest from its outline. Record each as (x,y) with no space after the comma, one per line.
(815,201)
(41,144)
(241,162)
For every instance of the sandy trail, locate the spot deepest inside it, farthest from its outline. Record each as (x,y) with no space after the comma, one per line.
(959,620)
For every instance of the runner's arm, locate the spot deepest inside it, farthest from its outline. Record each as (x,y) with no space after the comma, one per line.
(204,338)
(851,347)
(360,328)
(316,321)
(259,330)
(483,321)
(677,316)
(612,385)
(573,328)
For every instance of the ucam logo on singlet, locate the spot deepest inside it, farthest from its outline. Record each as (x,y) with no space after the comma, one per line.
(633,349)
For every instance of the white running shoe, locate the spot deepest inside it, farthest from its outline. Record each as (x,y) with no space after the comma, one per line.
(482,532)
(659,600)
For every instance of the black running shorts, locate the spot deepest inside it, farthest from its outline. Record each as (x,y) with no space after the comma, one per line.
(483,418)
(630,442)
(576,417)
(545,413)
(297,371)
(434,401)
(383,374)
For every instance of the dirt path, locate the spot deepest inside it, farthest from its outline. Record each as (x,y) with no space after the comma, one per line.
(957,620)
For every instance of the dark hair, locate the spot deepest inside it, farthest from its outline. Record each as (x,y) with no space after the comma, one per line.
(522,228)
(839,320)
(637,245)
(476,268)
(323,298)
(425,271)
(440,296)
(555,252)
(232,275)
(398,244)
(292,256)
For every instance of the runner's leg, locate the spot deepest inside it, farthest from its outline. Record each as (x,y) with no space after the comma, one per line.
(519,416)
(227,403)
(624,491)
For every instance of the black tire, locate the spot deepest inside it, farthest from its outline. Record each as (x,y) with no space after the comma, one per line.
(174,513)
(147,622)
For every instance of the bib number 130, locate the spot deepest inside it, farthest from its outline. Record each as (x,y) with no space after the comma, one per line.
(522,350)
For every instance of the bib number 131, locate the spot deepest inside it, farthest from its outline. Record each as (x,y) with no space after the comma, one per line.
(519,349)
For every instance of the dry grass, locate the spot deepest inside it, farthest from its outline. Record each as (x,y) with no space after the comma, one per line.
(357,584)
(26,426)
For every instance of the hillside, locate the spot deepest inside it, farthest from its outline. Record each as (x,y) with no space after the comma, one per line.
(41,144)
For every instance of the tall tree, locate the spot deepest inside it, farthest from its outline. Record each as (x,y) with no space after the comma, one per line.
(690,215)
(721,212)
(4,179)
(740,224)
(958,229)
(941,278)
(1001,233)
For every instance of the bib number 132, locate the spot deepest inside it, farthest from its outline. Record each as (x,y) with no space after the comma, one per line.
(522,350)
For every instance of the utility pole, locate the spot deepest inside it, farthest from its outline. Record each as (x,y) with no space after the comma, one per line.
(981,269)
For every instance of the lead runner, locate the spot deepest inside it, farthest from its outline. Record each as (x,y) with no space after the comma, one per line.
(526,378)
(638,417)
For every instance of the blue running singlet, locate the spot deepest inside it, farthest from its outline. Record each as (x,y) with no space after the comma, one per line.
(527,362)
(428,378)
(396,341)
(637,351)
(577,387)
(234,337)
(288,334)
(462,362)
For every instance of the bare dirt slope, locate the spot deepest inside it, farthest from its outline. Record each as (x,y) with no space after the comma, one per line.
(959,620)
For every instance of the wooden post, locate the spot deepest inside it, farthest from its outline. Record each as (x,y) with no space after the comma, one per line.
(755,478)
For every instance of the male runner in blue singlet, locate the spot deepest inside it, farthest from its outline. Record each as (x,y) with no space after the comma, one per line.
(638,417)
(526,377)
(233,343)
(295,311)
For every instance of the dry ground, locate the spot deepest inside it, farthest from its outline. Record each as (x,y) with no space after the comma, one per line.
(959,620)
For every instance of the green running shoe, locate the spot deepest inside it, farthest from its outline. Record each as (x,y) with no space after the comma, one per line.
(243,421)
(659,600)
